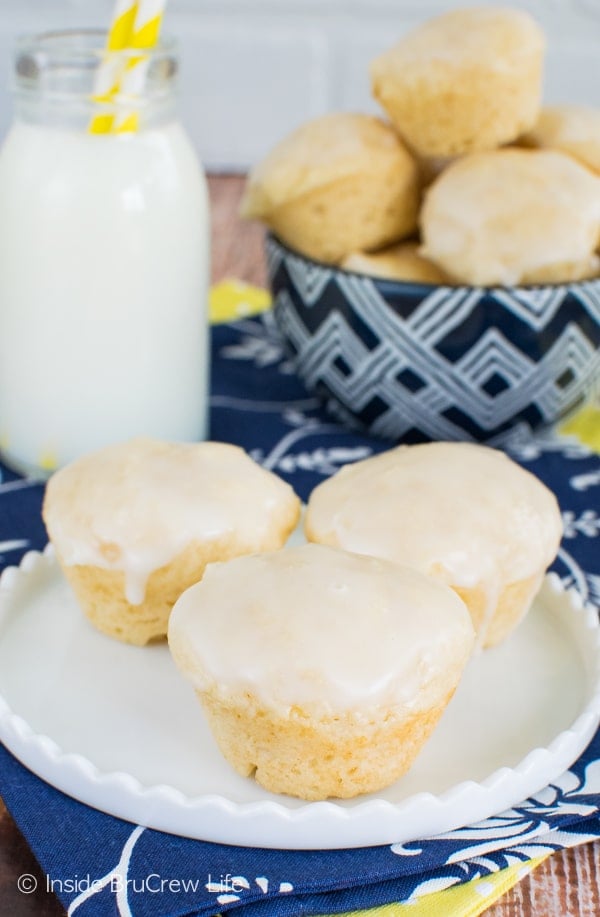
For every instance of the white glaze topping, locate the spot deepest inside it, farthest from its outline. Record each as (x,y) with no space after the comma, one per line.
(135,506)
(321,629)
(511,216)
(323,150)
(464,512)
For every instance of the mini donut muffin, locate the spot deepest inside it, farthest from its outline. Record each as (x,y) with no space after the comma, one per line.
(398,262)
(135,524)
(513,216)
(464,81)
(464,513)
(341,183)
(573,129)
(321,673)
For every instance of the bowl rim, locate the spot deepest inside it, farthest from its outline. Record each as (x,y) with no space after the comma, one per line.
(415,287)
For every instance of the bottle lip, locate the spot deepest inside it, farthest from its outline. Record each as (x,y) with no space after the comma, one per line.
(74,67)
(85,45)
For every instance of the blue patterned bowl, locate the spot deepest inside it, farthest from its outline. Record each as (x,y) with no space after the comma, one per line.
(412,362)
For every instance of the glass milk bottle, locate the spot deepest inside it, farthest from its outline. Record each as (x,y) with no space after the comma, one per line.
(104,260)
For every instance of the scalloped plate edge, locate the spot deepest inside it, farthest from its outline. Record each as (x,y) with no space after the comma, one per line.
(317,825)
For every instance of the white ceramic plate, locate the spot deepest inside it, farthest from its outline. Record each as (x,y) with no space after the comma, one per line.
(116,727)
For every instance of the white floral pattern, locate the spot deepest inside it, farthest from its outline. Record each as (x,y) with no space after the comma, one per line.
(583,482)
(587,523)
(259,344)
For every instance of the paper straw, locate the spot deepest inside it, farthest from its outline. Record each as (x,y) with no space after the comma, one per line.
(122,25)
(145,35)
(148,23)
(110,71)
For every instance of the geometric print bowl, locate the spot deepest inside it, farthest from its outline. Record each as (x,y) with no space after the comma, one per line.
(412,362)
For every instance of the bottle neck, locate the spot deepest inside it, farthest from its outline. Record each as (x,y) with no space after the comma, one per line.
(67,79)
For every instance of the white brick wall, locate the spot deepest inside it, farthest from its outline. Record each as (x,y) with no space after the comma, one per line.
(254,69)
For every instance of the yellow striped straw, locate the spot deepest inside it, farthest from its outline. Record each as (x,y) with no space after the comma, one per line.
(108,78)
(122,25)
(146,32)
(148,23)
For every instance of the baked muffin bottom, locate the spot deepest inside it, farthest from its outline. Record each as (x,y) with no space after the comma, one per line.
(340,756)
(356,212)
(513,603)
(101,592)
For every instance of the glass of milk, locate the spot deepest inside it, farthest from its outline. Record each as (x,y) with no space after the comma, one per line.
(104,261)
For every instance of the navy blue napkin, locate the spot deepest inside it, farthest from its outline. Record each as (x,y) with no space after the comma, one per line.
(104,866)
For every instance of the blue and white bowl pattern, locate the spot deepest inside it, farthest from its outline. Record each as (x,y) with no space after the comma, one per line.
(412,362)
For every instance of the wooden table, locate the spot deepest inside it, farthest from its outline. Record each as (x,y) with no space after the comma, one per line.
(566,885)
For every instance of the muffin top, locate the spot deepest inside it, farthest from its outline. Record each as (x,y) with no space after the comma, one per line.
(460,40)
(135,506)
(513,216)
(323,151)
(465,512)
(322,630)
(574,129)
(467,80)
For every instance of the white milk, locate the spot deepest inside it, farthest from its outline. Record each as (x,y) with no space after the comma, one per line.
(103,280)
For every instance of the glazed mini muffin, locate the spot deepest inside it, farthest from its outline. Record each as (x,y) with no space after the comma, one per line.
(338,184)
(574,129)
(464,513)
(398,262)
(467,80)
(135,524)
(321,673)
(513,216)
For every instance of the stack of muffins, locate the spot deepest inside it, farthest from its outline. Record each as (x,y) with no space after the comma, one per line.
(469,181)
(322,669)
